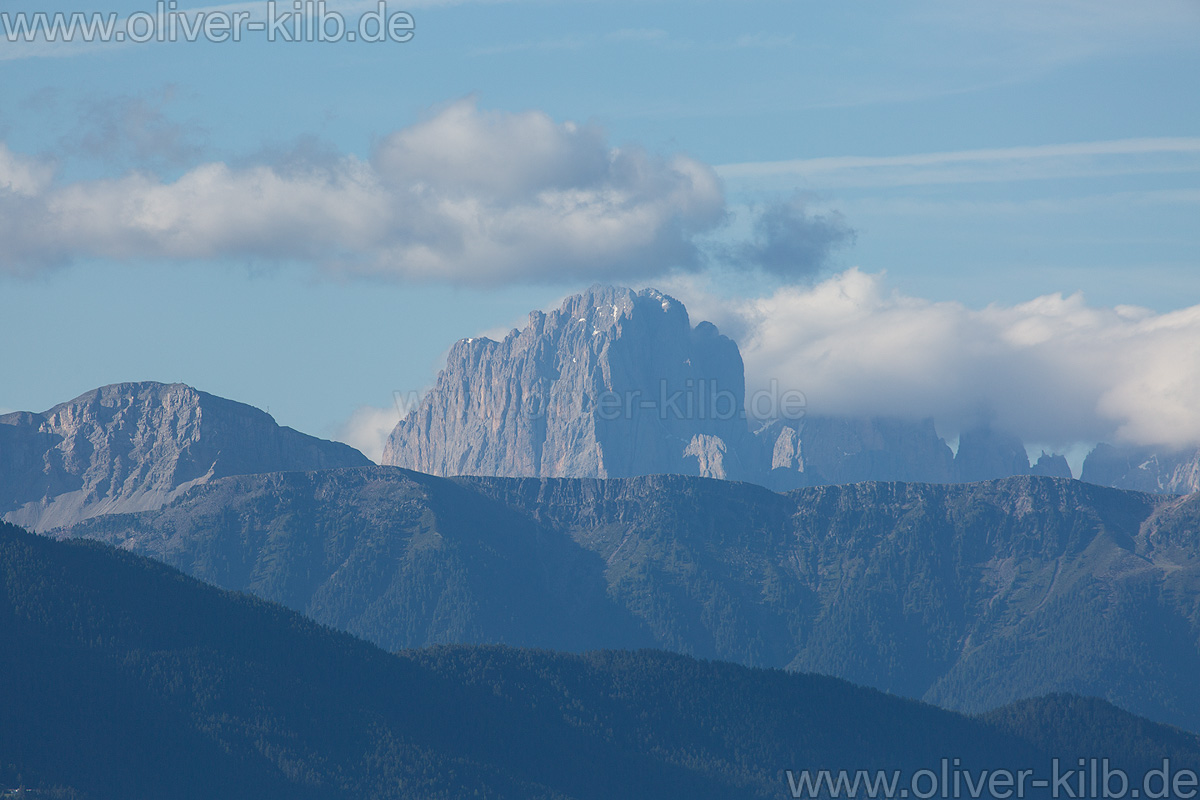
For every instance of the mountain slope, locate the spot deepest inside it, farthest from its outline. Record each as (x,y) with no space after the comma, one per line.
(1144,469)
(400,558)
(617,383)
(816,451)
(136,446)
(613,383)
(125,679)
(968,595)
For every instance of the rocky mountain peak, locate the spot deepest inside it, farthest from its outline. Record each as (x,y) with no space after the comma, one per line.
(136,446)
(612,383)
(617,383)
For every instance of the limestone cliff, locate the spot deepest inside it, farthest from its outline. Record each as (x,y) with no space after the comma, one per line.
(613,383)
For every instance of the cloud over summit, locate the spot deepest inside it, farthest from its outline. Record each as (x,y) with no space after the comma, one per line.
(1054,369)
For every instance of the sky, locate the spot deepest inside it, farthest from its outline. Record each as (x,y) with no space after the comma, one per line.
(970,210)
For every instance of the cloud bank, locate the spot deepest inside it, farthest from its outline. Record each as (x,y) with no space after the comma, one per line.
(367,430)
(463,196)
(1054,369)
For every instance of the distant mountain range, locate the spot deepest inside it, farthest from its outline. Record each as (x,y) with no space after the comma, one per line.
(617,383)
(136,446)
(1144,469)
(969,596)
(124,679)
(878,564)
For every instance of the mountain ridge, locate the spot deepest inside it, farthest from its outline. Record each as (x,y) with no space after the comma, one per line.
(1144,469)
(126,679)
(618,383)
(586,390)
(136,446)
(969,595)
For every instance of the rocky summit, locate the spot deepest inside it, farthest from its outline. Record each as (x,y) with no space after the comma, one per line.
(618,383)
(136,446)
(614,383)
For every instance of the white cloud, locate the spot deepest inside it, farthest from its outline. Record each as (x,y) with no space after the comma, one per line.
(1043,162)
(1054,369)
(463,196)
(22,177)
(368,429)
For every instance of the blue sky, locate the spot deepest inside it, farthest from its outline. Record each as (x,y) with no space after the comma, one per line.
(972,154)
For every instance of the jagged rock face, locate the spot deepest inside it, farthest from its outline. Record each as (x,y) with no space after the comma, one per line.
(1143,469)
(1051,466)
(618,383)
(710,453)
(818,451)
(136,446)
(614,383)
